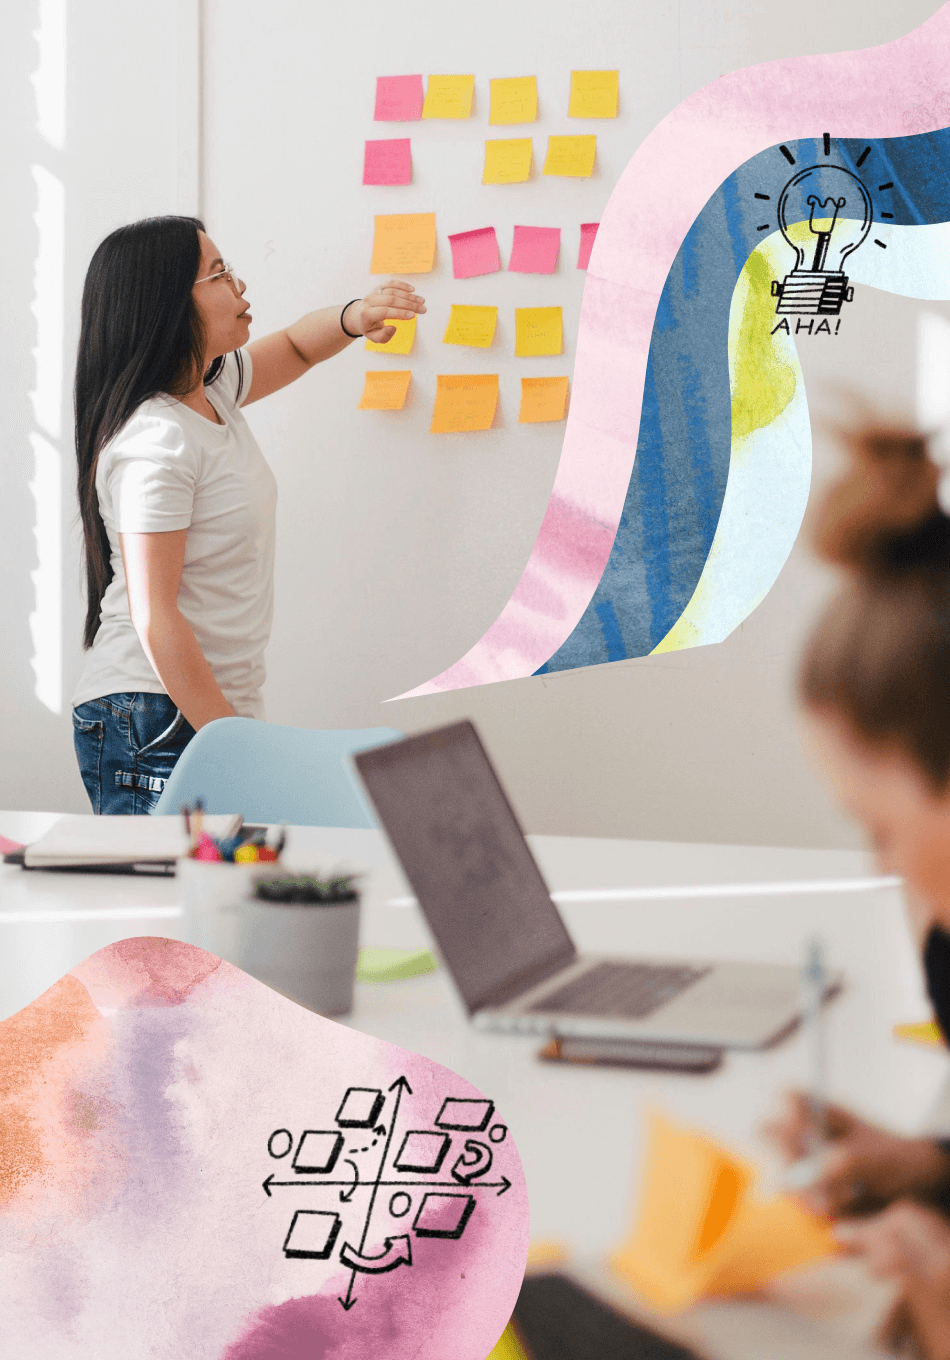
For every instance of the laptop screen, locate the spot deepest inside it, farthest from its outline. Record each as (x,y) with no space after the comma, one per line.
(461,848)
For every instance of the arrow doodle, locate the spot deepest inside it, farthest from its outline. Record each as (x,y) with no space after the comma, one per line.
(347,1195)
(396,1251)
(475,1161)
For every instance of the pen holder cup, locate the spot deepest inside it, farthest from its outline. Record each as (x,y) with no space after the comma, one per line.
(212,896)
(305,950)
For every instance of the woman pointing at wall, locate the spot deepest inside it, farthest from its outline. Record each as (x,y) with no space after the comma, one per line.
(176,501)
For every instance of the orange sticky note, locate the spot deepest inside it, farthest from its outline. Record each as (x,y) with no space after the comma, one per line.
(538,330)
(401,342)
(464,401)
(594,94)
(571,156)
(514,101)
(385,390)
(542,399)
(471,326)
(449,97)
(507,161)
(403,243)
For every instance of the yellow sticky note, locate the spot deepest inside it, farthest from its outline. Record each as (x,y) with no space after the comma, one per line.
(594,94)
(920,1032)
(400,343)
(464,401)
(514,100)
(449,97)
(403,243)
(471,326)
(508,1347)
(507,161)
(542,399)
(571,156)
(385,390)
(538,330)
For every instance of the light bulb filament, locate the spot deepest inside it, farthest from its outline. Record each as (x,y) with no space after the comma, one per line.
(824,231)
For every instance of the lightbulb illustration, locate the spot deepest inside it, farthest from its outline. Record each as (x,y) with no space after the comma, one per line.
(824,213)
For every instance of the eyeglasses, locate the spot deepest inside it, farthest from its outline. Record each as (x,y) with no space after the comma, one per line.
(228,272)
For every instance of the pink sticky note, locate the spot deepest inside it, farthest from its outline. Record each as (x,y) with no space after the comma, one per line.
(398,99)
(388,162)
(474,252)
(588,232)
(535,250)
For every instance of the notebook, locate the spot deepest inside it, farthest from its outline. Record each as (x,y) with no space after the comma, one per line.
(86,841)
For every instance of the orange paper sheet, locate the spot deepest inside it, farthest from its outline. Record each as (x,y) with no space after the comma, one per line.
(542,399)
(385,390)
(571,156)
(403,243)
(464,401)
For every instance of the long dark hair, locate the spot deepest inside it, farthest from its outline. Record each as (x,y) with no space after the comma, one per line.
(140,334)
(880,657)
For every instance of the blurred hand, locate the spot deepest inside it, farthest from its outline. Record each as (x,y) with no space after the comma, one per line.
(861,1168)
(394,300)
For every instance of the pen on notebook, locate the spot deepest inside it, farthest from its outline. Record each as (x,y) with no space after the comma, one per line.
(807,1169)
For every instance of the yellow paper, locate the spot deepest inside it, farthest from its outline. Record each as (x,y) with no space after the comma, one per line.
(700,1232)
(571,156)
(464,401)
(508,1347)
(449,97)
(507,161)
(538,330)
(514,101)
(471,326)
(923,1032)
(404,243)
(385,390)
(594,94)
(401,342)
(542,399)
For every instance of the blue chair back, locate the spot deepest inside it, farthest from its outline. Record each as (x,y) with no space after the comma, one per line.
(296,775)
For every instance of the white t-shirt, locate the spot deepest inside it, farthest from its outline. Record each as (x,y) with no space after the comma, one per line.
(170,468)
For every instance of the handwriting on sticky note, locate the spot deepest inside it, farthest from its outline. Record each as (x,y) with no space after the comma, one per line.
(594,94)
(514,100)
(535,250)
(542,399)
(385,390)
(403,243)
(464,401)
(571,156)
(474,252)
(449,97)
(538,330)
(588,233)
(398,99)
(388,162)
(507,161)
(400,343)
(471,326)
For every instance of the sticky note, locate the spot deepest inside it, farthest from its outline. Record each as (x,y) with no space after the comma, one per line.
(538,330)
(474,252)
(507,161)
(594,94)
(403,243)
(449,97)
(398,99)
(464,401)
(400,343)
(471,326)
(920,1032)
(535,250)
(571,156)
(588,232)
(385,390)
(542,399)
(514,100)
(380,963)
(388,162)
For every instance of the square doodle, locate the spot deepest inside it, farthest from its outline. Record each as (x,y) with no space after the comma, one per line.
(422,1151)
(443,1215)
(312,1235)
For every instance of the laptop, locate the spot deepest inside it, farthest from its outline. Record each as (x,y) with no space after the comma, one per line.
(502,938)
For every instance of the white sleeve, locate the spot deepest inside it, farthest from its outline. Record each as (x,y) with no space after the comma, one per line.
(149,473)
(236,373)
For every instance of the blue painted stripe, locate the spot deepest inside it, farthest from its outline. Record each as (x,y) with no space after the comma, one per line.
(610,627)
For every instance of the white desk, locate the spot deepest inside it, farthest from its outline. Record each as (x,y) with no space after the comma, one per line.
(578,1130)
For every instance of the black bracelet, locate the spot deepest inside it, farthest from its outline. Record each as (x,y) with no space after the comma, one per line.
(343,314)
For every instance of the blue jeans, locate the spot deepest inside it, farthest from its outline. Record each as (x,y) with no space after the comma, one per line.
(127,746)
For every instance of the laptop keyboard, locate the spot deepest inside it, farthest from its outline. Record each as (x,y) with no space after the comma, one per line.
(627,991)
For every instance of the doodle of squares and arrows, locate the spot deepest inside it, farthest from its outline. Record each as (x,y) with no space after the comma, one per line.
(384,1172)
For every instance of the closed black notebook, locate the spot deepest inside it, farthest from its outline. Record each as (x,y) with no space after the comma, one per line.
(557,1320)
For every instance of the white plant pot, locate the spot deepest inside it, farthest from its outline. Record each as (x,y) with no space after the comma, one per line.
(307,951)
